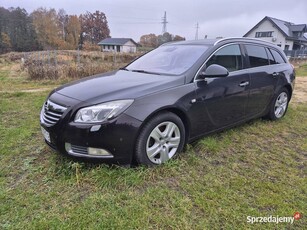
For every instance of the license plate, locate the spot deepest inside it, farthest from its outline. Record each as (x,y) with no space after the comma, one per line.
(46,134)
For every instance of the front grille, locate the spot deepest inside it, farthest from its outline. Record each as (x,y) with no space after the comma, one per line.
(52,112)
(79,149)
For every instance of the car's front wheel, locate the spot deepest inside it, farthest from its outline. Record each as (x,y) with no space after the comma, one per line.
(161,139)
(279,105)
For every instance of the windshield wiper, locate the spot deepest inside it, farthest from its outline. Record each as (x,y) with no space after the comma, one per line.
(144,71)
(124,68)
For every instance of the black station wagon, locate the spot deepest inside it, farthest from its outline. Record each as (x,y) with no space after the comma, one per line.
(146,112)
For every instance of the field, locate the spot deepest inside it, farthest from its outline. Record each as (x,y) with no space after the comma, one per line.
(257,169)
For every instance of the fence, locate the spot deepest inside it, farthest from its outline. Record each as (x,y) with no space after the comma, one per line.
(70,64)
(55,57)
(296,53)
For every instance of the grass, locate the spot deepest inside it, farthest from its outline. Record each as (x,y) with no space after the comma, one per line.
(301,70)
(257,169)
(12,78)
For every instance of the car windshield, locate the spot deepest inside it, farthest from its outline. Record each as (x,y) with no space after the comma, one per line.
(169,59)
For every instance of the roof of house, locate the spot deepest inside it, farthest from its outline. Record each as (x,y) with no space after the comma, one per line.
(116,41)
(286,28)
(298,28)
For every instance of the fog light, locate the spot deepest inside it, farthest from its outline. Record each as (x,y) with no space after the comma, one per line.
(82,151)
(67,147)
(98,152)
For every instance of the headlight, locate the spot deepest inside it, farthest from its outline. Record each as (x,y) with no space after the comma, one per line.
(101,112)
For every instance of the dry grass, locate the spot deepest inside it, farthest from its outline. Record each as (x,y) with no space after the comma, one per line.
(66,64)
(74,65)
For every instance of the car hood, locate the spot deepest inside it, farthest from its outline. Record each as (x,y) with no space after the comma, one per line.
(118,85)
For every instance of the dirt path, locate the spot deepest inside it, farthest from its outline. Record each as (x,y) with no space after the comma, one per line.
(300,91)
(27,90)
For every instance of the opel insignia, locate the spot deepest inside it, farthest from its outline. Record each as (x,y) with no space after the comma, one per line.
(147,111)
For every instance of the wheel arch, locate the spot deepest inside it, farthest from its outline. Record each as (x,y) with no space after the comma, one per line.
(290,90)
(180,113)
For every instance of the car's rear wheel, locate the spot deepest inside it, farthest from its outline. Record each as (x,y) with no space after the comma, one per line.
(279,105)
(160,140)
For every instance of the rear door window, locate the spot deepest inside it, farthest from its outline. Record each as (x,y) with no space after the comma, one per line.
(278,58)
(257,55)
(228,57)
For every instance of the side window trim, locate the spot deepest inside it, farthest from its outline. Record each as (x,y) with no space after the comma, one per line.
(245,58)
(268,52)
(211,55)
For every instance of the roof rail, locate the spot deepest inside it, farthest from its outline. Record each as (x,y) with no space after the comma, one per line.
(245,38)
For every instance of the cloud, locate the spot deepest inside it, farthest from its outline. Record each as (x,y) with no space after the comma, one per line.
(216,18)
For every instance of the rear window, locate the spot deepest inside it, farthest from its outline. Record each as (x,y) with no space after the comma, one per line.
(278,58)
(257,55)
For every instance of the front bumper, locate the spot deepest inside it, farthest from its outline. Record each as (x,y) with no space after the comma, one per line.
(116,137)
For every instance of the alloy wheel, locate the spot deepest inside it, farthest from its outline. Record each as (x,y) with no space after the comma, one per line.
(281,105)
(163,142)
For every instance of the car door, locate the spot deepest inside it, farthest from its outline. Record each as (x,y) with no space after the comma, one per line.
(221,101)
(263,76)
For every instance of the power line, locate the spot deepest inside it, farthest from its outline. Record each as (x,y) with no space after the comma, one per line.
(133,18)
(136,23)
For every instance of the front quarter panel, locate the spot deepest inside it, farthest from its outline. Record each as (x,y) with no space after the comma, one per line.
(175,98)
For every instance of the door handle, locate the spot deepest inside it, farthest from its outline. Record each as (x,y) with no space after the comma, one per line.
(244,83)
(275,74)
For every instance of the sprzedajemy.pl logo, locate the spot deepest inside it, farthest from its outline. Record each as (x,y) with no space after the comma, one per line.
(274,219)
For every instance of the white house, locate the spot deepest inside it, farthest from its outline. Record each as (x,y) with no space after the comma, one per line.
(287,35)
(123,45)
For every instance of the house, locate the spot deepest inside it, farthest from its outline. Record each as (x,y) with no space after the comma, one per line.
(123,45)
(287,35)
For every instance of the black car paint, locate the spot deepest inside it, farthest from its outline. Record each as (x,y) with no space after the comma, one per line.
(204,105)
(117,85)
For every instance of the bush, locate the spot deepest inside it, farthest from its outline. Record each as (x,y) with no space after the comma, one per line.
(75,71)
(87,46)
(38,71)
(63,64)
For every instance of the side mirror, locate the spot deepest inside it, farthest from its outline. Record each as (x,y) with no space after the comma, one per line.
(214,71)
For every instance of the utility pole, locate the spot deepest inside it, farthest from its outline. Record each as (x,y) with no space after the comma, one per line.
(92,35)
(196,34)
(164,22)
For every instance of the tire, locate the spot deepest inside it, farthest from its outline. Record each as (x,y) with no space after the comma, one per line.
(161,139)
(279,105)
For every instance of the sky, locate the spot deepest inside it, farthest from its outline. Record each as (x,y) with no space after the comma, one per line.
(218,18)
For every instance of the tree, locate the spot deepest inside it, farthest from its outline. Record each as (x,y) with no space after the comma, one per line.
(94,27)
(166,37)
(5,42)
(4,25)
(63,18)
(23,36)
(49,29)
(16,31)
(73,31)
(149,40)
(178,38)
(46,26)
